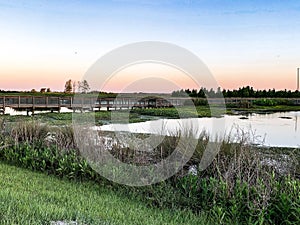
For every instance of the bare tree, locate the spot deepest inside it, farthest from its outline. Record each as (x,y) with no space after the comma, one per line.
(83,86)
(74,83)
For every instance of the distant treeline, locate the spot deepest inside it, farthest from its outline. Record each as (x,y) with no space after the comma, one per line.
(55,93)
(246,92)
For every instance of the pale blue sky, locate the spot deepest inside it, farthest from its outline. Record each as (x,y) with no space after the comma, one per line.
(43,43)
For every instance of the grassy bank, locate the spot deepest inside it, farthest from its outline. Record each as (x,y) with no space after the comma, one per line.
(205,111)
(101,117)
(141,115)
(240,186)
(33,198)
(276,108)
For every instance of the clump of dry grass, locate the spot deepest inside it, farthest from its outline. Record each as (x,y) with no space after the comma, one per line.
(63,137)
(29,131)
(34,131)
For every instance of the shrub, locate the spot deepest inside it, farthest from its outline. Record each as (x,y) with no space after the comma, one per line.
(265,102)
(272,102)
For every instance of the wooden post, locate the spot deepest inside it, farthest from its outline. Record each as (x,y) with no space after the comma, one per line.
(3,105)
(99,105)
(32,104)
(59,104)
(91,104)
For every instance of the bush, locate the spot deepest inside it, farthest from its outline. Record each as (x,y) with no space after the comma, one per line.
(196,102)
(265,102)
(50,160)
(272,102)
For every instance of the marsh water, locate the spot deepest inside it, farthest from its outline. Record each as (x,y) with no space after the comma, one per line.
(280,129)
(12,112)
(270,129)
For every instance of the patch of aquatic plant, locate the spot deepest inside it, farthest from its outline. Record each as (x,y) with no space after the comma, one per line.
(61,119)
(172,112)
(183,111)
(48,159)
(263,108)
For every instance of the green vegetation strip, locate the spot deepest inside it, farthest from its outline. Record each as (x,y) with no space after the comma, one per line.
(243,184)
(33,198)
(101,117)
(141,115)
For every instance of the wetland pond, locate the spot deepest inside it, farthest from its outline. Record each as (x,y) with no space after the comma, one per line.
(281,129)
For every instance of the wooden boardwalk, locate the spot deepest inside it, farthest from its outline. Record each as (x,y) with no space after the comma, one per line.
(49,103)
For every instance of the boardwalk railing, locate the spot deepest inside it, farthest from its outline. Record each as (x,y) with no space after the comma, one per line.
(31,103)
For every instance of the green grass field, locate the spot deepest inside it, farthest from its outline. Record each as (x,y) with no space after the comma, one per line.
(33,198)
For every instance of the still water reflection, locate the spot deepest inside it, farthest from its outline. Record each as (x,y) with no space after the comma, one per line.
(275,129)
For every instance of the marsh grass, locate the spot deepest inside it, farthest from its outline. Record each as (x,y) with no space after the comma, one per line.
(29,131)
(63,137)
(237,187)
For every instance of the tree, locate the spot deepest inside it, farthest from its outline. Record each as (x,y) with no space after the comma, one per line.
(193,93)
(201,93)
(74,84)
(219,93)
(188,91)
(68,86)
(83,86)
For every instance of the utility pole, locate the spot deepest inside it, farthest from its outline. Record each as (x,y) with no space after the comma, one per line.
(298,79)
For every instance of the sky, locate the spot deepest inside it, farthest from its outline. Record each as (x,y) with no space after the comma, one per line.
(45,43)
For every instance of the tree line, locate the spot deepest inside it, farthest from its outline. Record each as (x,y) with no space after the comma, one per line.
(71,87)
(244,92)
(76,86)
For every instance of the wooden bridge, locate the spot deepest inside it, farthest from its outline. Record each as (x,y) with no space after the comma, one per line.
(49,103)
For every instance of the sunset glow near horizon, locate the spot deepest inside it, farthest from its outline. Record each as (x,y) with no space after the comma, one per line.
(45,43)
